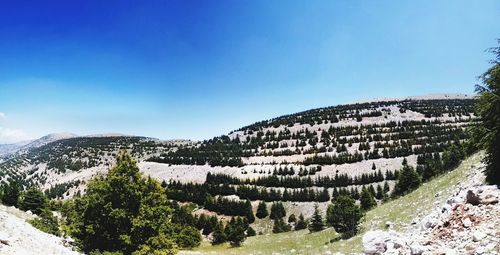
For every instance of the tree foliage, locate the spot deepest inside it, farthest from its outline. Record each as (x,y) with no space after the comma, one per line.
(488,109)
(262,210)
(280,226)
(46,222)
(277,211)
(235,231)
(219,235)
(316,223)
(301,223)
(408,181)
(10,193)
(367,200)
(33,200)
(126,212)
(344,216)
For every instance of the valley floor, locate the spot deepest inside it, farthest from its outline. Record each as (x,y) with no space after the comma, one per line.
(401,213)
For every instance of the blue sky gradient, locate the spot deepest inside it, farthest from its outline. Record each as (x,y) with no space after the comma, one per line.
(196,69)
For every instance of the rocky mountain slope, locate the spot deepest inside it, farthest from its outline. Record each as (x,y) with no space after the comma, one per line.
(65,164)
(11,150)
(302,158)
(20,238)
(468,222)
(399,223)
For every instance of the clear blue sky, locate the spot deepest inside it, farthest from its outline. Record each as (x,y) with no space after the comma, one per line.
(196,69)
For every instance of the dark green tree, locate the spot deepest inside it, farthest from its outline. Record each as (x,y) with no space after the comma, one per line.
(10,194)
(235,231)
(301,223)
(249,212)
(386,187)
(123,212)
(280,226)
(408,181)
(316,223)
(344,216)
(277,211)
(292,218)
(380,193)
(219,235)
(33,200)
(366,200)
(251,232)
(262,210)
(189,237)
(488,110)
(46,222)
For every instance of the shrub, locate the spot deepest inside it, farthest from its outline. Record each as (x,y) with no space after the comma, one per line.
(408,181)
(262,210)
(33,200)
(301,223)
(316,223)
(122,212)
(189,237)
(344,216)
(46,222)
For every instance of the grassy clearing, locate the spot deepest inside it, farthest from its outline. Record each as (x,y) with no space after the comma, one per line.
(401,212)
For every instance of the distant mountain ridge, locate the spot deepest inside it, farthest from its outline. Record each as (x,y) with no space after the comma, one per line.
(9,149)
(435,96)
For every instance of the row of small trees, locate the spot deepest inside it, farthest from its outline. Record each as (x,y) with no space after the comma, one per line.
(339,180)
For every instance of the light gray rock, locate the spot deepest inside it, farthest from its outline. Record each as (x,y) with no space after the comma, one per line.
(429,221)
(478,236)
(374,242)
(417,249)
(467,223)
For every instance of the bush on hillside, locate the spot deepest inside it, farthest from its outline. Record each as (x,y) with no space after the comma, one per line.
(235,231)
(123,212)
(46,222)
(367,200)
(262,210)
(316,223)
(301,223)
(408,181)
(344,216)
(10,193)
(33,200)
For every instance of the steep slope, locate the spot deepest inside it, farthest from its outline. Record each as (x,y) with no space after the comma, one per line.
(468,222)
(401,214)
(22,238)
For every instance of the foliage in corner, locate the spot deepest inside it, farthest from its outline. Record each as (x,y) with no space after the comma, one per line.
(488,109)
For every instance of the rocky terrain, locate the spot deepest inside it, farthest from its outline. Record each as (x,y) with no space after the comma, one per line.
(18,237)
(467,223)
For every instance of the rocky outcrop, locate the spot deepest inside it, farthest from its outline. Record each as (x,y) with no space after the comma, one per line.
(467,223)
(19,237)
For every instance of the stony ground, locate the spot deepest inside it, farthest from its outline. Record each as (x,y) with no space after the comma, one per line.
(18,237)
(467,223)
